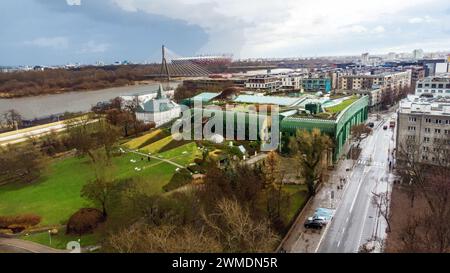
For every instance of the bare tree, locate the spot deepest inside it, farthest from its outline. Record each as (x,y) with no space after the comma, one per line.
(382,202)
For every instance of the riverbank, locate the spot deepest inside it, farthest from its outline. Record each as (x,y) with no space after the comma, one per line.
(37,107)
(4,95)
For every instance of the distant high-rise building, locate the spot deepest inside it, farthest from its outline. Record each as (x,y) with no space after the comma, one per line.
(365,58)
(391,56)
(417,54)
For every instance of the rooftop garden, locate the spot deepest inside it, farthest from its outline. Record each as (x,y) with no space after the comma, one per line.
(341,106)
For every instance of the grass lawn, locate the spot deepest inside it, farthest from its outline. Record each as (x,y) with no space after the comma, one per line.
(56,195)
(299,195)
(158,145)
(60,241)
(142,140)
(176,155)
(344,104)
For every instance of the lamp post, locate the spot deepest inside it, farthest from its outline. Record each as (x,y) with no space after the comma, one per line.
(50,236)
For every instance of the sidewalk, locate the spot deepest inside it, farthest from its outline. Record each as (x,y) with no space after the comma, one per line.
(301,240)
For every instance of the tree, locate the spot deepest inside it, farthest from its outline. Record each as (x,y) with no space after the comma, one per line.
(360,132)
(273,184)
(141,238)
(21,163)
(237,232)
(13,118)
(100,190)
(382,202)
(310,148)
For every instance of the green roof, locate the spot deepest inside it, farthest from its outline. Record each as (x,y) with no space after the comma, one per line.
(205,96)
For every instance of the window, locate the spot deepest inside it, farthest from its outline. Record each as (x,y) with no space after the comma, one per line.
(447,86)
(426,139)
(419,85)
(411,138)
(428,120)
(438,121)
(425,149)
(427,130)
(437,131)
(440,85)
(412,119)
(411,128)
(433,85)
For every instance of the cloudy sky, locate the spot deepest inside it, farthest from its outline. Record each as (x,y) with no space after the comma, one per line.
(86,31)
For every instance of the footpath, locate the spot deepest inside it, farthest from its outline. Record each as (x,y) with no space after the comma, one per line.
(301,240)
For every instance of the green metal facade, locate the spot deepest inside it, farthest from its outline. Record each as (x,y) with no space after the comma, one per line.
(338,130)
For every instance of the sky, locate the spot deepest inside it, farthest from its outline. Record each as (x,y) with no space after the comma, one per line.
(51,32)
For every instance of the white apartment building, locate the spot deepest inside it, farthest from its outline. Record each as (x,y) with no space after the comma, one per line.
(292,81)
(394,81)
(434,86)
(423,129)
(264,83)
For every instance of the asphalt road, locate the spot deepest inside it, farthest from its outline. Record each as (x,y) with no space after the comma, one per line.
(357,220)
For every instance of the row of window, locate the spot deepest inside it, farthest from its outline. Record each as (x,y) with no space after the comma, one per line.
(429,120)
(434,85)
(433,91)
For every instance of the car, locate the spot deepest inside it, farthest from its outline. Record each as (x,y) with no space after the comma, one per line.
(385,127)
(371,124)
(314,223)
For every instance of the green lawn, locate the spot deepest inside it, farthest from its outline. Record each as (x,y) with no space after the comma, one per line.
(183,155)
(344,104)
(142,140)
(298,197)
(60,241)
(56,195)
(158,145)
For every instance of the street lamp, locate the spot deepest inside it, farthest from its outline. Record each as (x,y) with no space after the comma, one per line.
(50,236)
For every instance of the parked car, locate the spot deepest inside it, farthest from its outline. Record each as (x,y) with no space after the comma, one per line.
(314,223)
(371,124)
(385,127)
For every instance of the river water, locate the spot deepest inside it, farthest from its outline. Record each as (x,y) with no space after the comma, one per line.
(82,101)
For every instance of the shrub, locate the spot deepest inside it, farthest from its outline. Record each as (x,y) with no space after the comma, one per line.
(18,223)
(179,179)
(84,221)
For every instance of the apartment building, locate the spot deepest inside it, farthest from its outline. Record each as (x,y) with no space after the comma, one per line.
(434,86)
(264,83)
(317,84)
(423,129)
(374,95)
(292,81)
(393,81)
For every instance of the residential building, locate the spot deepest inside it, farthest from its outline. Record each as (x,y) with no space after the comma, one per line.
(434,86)
(423,129)
(264,83)
(388,81)
(292,81)
(317,84)
(417,54)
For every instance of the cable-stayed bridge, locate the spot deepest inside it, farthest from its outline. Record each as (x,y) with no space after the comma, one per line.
(173,65)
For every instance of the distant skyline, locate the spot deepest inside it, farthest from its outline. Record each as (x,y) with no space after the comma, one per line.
(56,32)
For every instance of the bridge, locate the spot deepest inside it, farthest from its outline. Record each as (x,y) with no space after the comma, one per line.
(173,65)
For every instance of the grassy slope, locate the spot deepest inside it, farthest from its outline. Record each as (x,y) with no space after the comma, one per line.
(177,156)
(57,195)
(298,195)
(158,145)
(140,141)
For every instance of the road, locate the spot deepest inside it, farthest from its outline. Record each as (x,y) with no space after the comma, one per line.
(37,131)
(357,220)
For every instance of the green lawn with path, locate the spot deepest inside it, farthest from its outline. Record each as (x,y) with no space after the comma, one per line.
(56,195)
(60,240)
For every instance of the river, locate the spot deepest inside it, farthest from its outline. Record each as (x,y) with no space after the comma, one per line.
(81,101)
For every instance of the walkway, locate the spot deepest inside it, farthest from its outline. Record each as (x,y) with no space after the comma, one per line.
(29,246)
(157,158)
